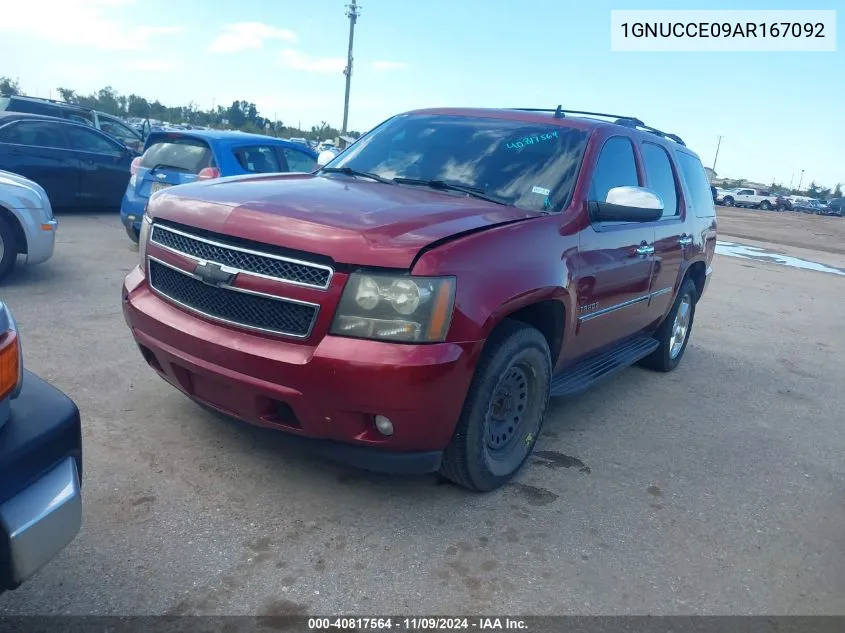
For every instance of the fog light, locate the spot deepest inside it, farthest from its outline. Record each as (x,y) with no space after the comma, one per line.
(384,425)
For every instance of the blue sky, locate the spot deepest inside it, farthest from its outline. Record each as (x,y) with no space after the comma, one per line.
(779,113)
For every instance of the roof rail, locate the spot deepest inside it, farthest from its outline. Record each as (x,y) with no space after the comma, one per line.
(627,121)
(56,101)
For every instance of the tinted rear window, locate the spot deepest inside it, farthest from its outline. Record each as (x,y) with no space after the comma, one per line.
(182,154)
(696,179)
(258,159)
(4,103)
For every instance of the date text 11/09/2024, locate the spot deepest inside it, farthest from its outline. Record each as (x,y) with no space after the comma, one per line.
(417,624)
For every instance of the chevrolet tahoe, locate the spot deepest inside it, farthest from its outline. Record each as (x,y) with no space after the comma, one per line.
(413,304)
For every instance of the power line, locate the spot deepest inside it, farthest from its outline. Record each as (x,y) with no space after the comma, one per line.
(352,12)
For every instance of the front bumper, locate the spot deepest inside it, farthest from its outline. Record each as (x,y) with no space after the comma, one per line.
(40,239)
(329,390)
(40,475)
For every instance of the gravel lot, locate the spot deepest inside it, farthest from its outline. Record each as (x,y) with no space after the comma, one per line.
(715,489)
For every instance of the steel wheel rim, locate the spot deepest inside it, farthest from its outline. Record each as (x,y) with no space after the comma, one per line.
(507,415)
(680,327)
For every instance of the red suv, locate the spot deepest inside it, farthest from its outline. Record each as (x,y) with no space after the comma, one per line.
(412,305)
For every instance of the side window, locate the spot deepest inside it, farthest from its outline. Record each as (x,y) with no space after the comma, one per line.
(696,180)
(35,133)
(299,161)
(85,140)
(616,167)
(118,130)
(258,159)
(661,179)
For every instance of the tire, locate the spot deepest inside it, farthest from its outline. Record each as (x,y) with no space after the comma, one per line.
(9,247)
(728,201)
(494,436)
(671,350)
(765,205)
(780,207)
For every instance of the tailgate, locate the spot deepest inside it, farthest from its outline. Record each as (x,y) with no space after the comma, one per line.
(170,159)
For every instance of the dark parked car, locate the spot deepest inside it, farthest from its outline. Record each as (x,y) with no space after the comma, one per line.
(783,203)
(111,125)
(836,207)
(40,465)
(77,165)
(411,306)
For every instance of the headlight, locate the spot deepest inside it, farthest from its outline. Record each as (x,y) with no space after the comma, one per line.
(395,308)
(143,238)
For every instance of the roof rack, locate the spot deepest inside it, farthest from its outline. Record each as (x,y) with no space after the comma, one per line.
(627,121)
(56,101)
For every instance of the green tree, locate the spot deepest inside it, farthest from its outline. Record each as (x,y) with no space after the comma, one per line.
(837,192)
(9,86)
(67,95)
(137,106)
(236,115)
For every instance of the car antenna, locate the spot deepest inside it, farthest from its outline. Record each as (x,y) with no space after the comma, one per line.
(559,112)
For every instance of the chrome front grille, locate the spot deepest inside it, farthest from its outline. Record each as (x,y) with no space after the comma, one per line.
(243,259)
(233,305)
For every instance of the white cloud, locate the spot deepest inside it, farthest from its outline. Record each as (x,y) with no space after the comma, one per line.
(245,35)
(81,23)
(290,58)
(385,65)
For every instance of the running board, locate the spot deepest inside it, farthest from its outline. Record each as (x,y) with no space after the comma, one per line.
(589,371)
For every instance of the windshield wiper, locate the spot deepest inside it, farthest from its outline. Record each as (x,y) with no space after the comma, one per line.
(348,171)
(442,185)
(166,166)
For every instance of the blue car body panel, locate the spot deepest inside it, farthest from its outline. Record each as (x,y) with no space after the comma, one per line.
(222,146)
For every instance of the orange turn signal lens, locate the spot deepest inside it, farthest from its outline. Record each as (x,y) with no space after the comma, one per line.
(442,312)
(10,369)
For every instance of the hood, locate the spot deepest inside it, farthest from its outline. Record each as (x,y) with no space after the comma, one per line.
(352,221)
(20,192)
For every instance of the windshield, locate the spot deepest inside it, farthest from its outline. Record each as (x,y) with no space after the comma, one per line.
(184,154)
(528,165)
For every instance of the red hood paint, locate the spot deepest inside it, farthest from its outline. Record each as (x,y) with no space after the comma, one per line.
(353,221)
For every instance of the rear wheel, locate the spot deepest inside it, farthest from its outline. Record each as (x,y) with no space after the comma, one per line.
(9,247)
(673,334)
(728,201)
(503,411)
(765,205)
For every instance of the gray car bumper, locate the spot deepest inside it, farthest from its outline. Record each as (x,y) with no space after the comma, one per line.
(41,241)
(42,519)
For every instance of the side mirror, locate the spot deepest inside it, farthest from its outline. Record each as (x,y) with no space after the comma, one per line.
(628,204)
(325,157)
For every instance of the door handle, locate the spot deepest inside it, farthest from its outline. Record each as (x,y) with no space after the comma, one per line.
(644,250)
(685,240)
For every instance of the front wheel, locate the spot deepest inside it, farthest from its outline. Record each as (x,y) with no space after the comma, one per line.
(503,411)
(728,201)
(673,334)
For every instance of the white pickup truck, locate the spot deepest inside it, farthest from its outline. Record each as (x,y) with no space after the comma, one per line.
(753,198)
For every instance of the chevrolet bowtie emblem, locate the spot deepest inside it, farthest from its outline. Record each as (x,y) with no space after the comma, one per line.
(215,274)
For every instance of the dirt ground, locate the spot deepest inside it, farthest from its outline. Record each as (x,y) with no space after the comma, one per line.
(787,228)
(716,489)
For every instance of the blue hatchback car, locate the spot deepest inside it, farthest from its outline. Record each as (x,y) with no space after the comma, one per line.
(175,158)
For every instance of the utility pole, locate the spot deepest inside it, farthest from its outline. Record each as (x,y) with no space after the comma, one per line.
(352,10)
(801,180)
(715,158)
